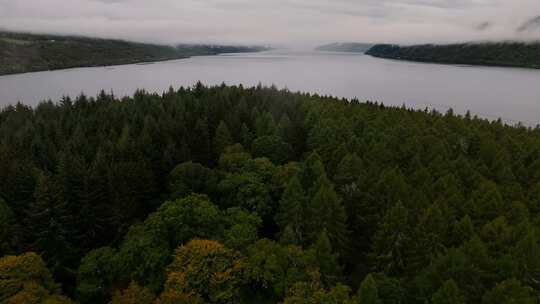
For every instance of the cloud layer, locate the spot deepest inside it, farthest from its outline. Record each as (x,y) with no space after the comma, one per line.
(296,22)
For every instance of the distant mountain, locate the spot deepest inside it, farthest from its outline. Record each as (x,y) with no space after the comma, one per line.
(21,52)
(531,24)
(352,47)
(512,54)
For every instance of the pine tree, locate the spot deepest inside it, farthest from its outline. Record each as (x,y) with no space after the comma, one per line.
(391,241)
(200,145)
(222,138)
(246,136)
(462,231)
(327,260)
(449,293)
(292,210)
(368,292)
(49,219)
(327,213)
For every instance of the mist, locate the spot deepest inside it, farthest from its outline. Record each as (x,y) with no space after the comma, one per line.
(297,23)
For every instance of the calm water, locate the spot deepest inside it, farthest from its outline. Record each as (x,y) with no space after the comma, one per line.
(512,94)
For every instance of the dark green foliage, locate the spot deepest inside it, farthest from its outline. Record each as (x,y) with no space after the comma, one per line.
(190,177)
(449,293)
(21,53)
(517,54)
(292,211)
(420,206)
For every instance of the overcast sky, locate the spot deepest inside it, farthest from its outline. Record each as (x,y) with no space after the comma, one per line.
(296,22)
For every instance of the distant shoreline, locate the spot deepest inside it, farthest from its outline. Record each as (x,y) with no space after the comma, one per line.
(28,53)
(506,55)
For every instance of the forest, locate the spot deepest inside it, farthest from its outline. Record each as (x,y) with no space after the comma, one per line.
(228,194)
(505,54)
(21,52)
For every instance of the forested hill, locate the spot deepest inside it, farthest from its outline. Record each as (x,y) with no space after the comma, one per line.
(511,54)
(351,47)
(21,53)
(256,195)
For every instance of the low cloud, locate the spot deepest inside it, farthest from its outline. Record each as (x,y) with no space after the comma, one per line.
(295,22)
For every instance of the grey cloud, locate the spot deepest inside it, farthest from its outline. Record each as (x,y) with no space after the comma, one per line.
(531,24)
(307,22)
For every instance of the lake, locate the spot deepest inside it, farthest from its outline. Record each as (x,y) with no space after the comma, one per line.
(491,92)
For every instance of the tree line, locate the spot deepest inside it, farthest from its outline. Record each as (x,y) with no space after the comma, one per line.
(228,194)
(507,54)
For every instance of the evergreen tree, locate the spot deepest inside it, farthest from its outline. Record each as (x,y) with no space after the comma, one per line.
(328,260)
(368,293)
(449,293)
(222,138)
(291,211)
(327,213)
(391,241)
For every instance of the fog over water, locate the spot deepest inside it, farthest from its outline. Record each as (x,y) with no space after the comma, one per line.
(491,92)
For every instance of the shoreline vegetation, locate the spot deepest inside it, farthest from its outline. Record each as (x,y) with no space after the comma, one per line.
(23,52)
(501,54)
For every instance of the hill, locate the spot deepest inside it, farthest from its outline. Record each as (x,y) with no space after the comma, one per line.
(228,194)
(510,54)
(345,47)
(20,53)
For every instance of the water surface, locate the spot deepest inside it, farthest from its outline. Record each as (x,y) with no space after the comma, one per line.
(491,92)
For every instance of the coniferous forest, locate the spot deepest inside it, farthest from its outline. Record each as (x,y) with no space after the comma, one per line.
(229,194)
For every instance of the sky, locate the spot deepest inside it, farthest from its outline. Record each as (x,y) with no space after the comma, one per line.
(279,22)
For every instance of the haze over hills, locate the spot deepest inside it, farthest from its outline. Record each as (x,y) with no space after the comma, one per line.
(353,47)
(21,52)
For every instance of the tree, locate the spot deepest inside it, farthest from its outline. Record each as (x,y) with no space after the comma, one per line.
(148,248)
(310,293)
(350,169)
(509,292)
(241,228)
(391,240)
(97,274)
(449,293)
(208,269)
(134,294)
(272,269)
(526,256)
(327,214)
(50,218)
(368,293)
(190,177)
(273,147)
(26,279)
(327,260)
(292,211)
(9,232)
(200,144)
(222,139)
